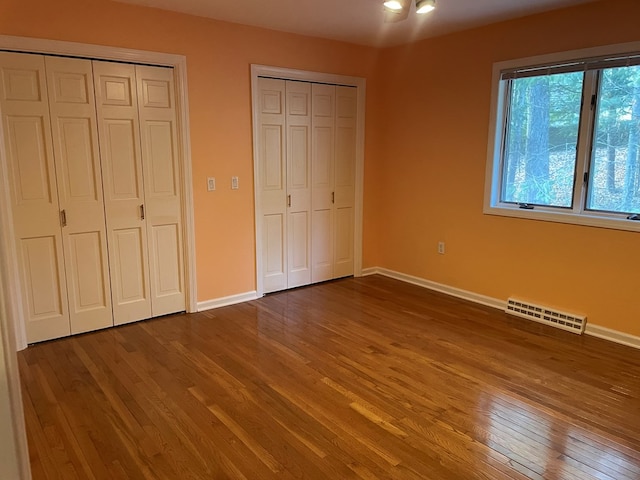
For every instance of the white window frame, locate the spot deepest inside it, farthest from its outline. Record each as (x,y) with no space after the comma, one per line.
(577,214)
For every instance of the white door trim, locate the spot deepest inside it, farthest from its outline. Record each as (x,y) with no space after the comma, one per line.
(303,75)
(15,440)
(99,52)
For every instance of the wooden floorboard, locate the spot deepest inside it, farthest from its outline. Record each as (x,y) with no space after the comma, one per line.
(366,378)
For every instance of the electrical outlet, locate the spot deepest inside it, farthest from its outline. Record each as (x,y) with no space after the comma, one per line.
(234,183)
(441,248)
(211,184)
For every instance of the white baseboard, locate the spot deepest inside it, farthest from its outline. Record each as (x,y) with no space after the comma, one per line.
(612,335)
(593,330)
(369,271)
(438,287)
(226,301)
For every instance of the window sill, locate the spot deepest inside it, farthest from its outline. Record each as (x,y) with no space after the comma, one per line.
(588,220)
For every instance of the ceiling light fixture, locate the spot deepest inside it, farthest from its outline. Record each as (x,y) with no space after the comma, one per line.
(393,5)
(425,6)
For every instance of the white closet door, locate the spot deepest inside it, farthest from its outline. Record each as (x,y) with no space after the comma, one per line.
(79,179)
(163,205)
(36,217)
(116,94)
(322,178)
(345,180)
(272,182)
(298,121)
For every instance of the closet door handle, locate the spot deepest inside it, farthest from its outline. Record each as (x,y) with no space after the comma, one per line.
(288,200)
(63,218)
(333,197)
(142,212)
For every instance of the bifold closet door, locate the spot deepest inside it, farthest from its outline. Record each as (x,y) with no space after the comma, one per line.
(333,180)
(58,208)
(298,174)
(162,188)
(79,180)
(322,178)
(284,182)
(116,100)
(306,181)
(272,182)
(136,112)
(28,147)
(345,181)
(93,167)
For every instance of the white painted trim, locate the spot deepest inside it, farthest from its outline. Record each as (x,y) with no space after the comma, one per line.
(492,205)
(99,52)
(257,212)
(83,50)
(612,335)
(188,208)
(9,255)
(590,329)
(14,442)
(439,287)
(371,271)
(308,76)
(226,301)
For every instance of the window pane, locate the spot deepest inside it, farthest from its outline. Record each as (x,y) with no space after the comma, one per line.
(539,158)
(615,183)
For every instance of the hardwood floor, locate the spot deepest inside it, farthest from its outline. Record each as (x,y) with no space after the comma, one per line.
(359,378)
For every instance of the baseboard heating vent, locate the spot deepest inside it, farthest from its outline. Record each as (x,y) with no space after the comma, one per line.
(566,321)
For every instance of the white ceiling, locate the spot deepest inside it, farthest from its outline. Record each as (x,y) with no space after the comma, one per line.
(358,21)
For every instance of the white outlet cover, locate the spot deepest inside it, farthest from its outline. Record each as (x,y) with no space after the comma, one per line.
(211,184)
(234,183)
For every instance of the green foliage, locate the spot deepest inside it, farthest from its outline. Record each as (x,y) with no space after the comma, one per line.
(539,158)
(615,161)
(542,135)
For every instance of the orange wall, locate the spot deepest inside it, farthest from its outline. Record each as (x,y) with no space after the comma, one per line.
(432,174)
(218,55)
(427,127)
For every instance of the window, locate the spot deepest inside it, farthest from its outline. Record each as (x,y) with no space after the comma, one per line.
(565,144)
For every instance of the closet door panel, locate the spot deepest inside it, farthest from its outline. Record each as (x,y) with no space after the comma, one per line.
(298,133)
(343,259)
(118,122)
(323,174)
(127,247)
(273,154)
(165,245)
(24,103)
(44,289)
(78,161)
(161,177)
(272,183)
(345,181)
(26,141)
(322,244)
(163,207)
(274,255)
(298,249)
(121,152)
(87,262)
(79,180)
